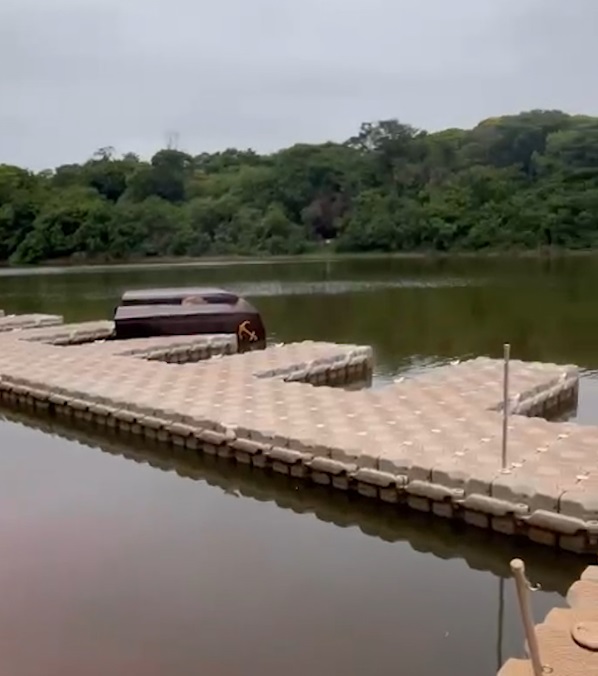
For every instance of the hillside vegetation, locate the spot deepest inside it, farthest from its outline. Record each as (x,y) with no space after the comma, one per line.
(528,181)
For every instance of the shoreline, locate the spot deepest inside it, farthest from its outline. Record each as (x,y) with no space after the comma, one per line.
(64,265)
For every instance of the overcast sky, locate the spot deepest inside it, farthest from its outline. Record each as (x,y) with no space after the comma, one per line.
(76,75)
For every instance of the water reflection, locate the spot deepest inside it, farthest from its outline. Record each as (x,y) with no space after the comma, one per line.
(481,550)
(344,286)
(231,559)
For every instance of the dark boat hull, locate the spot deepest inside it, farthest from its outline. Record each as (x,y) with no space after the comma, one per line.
(189,313)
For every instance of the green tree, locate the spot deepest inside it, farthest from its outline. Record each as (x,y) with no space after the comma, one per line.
(527,181)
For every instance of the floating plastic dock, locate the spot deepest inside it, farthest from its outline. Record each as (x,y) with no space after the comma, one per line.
(432,442)
(568,638)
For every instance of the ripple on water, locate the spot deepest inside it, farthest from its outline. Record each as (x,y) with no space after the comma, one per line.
(274,288)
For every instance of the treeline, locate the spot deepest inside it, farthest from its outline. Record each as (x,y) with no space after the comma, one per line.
(528,181)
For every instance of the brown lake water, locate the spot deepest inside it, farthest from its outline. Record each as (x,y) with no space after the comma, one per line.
(132,560)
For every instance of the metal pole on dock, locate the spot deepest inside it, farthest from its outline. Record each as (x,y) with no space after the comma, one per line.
(523,589)
(505,403)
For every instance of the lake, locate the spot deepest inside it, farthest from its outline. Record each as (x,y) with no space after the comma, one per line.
(135,560)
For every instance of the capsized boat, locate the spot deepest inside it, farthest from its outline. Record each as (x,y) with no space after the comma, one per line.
(183,311)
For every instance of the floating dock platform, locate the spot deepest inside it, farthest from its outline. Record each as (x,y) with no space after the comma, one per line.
(432,442)
(568,637)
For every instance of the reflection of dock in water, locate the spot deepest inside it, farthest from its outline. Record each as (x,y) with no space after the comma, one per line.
(480,549)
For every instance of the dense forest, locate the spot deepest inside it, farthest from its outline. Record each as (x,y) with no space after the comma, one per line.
(528,181)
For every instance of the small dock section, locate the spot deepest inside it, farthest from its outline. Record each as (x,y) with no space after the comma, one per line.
(567,640)
(15,322)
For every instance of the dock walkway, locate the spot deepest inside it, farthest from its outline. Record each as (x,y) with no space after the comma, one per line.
(432,441)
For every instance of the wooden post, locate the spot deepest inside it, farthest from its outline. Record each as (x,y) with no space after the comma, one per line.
(523,589)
